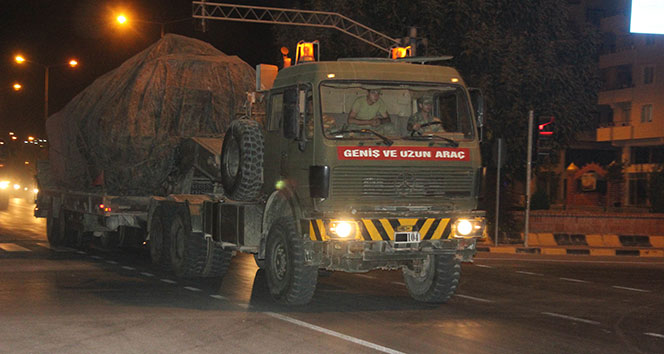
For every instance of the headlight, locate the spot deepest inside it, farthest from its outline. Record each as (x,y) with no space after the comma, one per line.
(17,186)
(343,229)
(4,184)
(469,227)
(35,191)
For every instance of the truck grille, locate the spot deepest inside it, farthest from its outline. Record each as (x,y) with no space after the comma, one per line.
(403,182)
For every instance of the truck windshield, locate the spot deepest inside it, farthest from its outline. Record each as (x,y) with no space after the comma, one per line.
(397,111)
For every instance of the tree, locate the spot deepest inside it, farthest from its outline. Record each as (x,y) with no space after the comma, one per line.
(523,54)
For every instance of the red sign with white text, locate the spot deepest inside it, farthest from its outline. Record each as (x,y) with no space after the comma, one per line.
(402,153)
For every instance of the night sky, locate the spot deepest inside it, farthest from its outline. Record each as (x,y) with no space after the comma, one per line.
(50,32)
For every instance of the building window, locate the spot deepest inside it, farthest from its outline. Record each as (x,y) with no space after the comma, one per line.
(646,113)
(648,75)
(638,184)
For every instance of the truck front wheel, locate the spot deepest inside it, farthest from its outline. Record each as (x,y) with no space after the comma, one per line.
(289,279)
(434,280)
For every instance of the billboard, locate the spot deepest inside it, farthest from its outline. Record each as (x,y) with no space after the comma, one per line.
(647,16)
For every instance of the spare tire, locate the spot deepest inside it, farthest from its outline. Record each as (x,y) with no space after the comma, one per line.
(242,160)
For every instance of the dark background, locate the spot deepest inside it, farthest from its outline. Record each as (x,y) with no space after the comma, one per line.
(50,32)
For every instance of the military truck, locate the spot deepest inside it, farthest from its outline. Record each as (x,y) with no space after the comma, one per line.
(302,189)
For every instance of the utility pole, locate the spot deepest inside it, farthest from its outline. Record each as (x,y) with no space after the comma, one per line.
(529,168)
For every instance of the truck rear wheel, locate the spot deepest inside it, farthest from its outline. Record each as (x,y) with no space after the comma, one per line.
(242,160)
(217,261)
(186,248)
(435,281)
(159,237)
(291,282)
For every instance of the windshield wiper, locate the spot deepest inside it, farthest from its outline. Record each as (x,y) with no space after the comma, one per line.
(387,141)
(451,142)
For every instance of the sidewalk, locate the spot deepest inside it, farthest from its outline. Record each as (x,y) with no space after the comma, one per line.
(580,244)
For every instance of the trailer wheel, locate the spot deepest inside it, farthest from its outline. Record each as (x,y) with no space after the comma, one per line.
(186,248)
(290,281)
(435,281)
(242,160)
(53,229)
(159,237)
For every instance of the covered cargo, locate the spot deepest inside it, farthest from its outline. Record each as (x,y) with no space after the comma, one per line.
(123,132)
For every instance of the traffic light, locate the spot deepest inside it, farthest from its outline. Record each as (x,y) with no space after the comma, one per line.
(544,135)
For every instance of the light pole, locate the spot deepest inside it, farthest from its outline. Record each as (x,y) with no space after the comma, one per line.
(19,59)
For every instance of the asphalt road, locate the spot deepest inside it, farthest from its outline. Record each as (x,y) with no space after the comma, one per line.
(68,301)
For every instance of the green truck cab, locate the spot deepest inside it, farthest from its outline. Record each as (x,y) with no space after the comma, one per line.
(356,197)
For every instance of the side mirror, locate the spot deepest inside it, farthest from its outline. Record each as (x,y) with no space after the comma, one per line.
(477,99)
(291,114)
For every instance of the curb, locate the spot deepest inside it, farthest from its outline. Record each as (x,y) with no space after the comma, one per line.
(558,251)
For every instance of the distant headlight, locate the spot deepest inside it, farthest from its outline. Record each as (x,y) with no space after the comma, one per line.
(343,229)
(35,191)
(4,184)
(17,186)
(469,227)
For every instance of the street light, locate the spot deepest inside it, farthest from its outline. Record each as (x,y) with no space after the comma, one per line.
(19,59)
(17,86)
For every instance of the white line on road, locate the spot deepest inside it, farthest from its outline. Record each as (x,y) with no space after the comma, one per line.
(473,298)
(244,306)
(654,334)
(399,283)
(169,281)
(570,318)
(128,268)
(574,280)
(483,266)
(218,297)
(12,247)
(191,288)
(96,257)
(81,252)
(111,262)
(365,276)
(630,289)
(146,274)
(361,342)
(528,273)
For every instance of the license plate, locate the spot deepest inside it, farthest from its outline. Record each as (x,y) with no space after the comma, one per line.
(406,237)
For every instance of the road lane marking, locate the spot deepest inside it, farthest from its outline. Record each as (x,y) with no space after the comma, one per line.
(570,318)
(399,283)
(81,252)
(96,257)
(191,288)
(111,262)
(483,266)
(630,289)
(473,298)
(365,276)
(654,334)
(218,297)
(332,333)
(574,280)
(244,306)
(12,247)
(529,273)
(169,281)
(128,268)
(147,274)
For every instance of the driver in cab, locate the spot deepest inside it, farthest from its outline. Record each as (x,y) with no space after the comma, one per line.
(369,112)
(424,116)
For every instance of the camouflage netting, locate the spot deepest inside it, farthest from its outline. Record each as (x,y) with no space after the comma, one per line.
(127,125)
